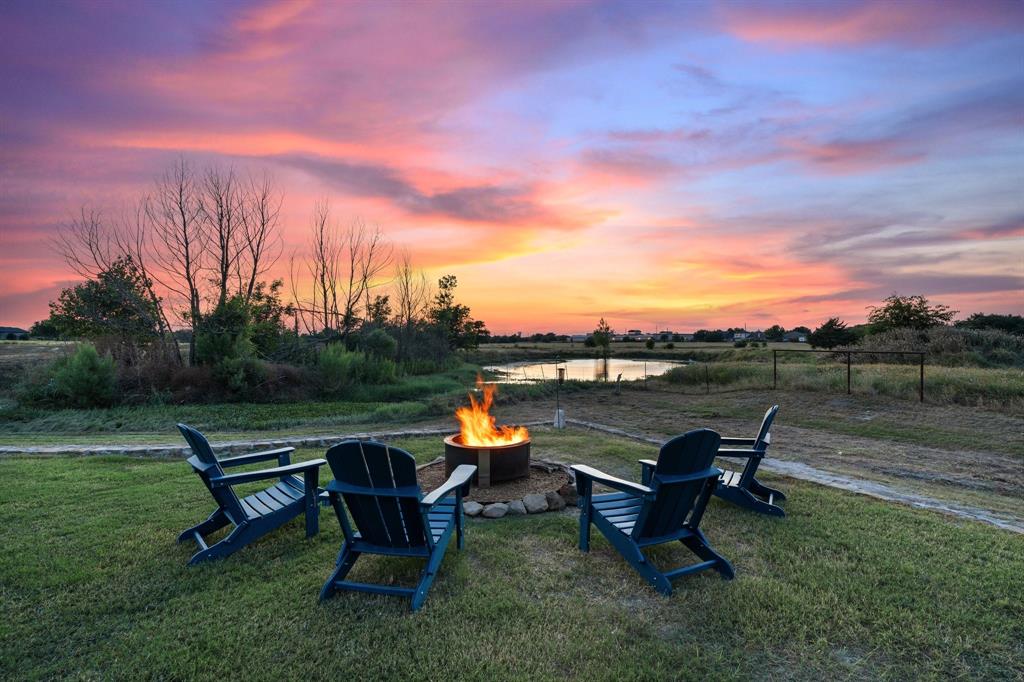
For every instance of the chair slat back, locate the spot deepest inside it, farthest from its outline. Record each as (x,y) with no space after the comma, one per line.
(689,453)
(202,451)
(764,433)
(388,521)
(761,443)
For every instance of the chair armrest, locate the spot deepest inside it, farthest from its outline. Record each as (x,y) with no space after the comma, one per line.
(263,474)
(282,455)
(745,454)
(595,475)
(647,467)
(461,477)
(738,441)
(710,472)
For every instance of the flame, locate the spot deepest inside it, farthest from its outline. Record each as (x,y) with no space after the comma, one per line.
(477,424)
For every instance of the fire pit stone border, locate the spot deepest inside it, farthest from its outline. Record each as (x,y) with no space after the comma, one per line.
(533,503)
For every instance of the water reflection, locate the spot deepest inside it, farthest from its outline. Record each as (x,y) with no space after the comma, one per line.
(598,369)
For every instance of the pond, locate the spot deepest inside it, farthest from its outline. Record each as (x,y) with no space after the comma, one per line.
(582,370)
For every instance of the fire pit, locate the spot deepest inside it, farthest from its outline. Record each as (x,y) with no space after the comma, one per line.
(494,463)
(499,453)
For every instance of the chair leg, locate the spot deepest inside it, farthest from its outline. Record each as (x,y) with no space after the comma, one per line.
(585,529)
(346,559)
(698,544)
(236,540)
(460,541)
(427,578)
(214,521)
(761,490)
(312,514)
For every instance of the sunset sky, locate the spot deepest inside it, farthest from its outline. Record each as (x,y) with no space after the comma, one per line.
(679,165)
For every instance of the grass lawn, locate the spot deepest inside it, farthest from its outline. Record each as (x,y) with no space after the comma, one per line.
(93,586)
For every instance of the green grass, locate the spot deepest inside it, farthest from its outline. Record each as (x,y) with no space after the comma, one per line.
(93,586)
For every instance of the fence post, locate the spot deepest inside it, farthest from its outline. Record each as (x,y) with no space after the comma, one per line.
(775,369)
(921,385)
(707,380)
(848,356)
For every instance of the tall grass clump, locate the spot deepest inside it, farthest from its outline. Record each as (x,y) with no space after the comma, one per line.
(340,370)
(948,346)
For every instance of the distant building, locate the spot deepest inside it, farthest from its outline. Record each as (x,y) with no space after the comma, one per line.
(684,337)
(634,332)
(795,337)
(666,335)
(13,334)
(579,337)
(740,336)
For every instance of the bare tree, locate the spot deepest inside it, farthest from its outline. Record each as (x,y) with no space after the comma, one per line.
(344,263)
(180,239)
(85,243)
(222,210)
(260,236)
(412,292)
(90,245)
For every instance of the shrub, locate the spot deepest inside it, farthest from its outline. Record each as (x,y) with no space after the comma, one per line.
(670,345)
(341,369)
(650,344)
(380,344)
(85,379)
(225,333)
(739,344)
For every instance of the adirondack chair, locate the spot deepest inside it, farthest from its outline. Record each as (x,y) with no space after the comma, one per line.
(740,487)
(377,485)
(257,514)
(666,507)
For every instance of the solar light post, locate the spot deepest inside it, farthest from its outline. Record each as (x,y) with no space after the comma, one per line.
(559,412)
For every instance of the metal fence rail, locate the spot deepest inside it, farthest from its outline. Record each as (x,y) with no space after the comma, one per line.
(849,355)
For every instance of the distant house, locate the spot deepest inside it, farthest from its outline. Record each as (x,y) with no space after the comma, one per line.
(684,337)
(795,337)
(666,335)
(740,336)
(578,337)
(756,336)
(13,334)
(634,332)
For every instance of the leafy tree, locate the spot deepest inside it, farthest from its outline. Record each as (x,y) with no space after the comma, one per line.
(831,334)
(589,342)
(603,337)
(801,329)
(225,333)
(775,332)
(44,329)
(706,335)
(115,304)
(913,312)
(379,311)
(454,319)
(1012,324)
(266,317)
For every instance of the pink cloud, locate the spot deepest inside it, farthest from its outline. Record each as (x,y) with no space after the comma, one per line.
(920,22)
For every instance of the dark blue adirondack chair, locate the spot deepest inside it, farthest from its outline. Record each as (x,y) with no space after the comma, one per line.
(377,485)
(666,507)
(257,514)
(740,487)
